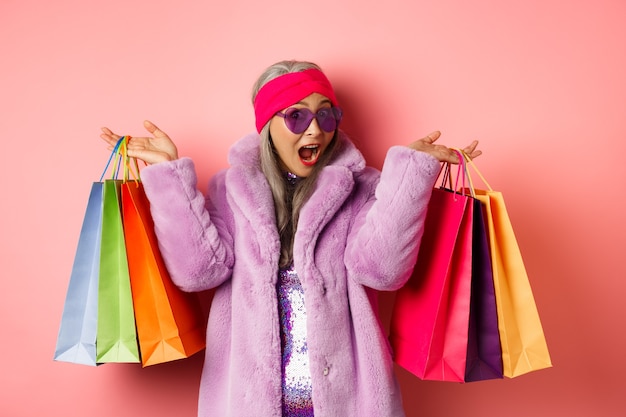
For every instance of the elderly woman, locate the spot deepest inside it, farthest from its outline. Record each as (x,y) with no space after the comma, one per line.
(296,236)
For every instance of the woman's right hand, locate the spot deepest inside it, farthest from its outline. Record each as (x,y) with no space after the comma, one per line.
(151,150)
(441,152)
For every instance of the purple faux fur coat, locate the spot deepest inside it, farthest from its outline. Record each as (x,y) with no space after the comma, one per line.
(360,230)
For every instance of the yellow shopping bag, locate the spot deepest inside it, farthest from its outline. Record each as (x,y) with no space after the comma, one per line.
(524,347)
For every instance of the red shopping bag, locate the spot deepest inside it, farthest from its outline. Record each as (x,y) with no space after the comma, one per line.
(430,320)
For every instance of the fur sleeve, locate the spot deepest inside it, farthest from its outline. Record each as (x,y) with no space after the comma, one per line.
(194,240)
(384,241)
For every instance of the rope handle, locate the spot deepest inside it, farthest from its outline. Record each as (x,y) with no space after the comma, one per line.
(119,157)
(460,173)
(114,153)
(471,163)
(129,170)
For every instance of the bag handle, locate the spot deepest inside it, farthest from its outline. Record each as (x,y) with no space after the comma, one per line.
(471,163)
(119,157)
(460,173)
(114,153)
(463,159)
(129,170)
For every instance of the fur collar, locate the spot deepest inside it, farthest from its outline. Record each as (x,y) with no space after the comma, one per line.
(249,191)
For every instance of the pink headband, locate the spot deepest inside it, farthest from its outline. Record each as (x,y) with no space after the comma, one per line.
(288,89)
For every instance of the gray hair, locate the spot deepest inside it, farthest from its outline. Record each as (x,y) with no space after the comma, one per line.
(287,200)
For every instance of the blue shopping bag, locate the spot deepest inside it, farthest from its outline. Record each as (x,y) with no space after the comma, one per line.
(76,341)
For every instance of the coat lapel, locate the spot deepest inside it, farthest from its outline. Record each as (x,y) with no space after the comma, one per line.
(249,192)
(334,185)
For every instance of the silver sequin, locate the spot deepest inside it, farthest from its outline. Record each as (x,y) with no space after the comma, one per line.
(296,380)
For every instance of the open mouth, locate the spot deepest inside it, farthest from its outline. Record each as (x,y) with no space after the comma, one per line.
(309,154)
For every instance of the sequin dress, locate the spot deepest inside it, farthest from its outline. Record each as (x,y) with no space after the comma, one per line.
(296,379)
(296,374)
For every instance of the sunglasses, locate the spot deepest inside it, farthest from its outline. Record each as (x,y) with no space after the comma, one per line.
(298,120)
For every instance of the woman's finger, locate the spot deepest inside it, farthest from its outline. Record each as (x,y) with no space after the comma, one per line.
(432,136)
(108,132)
(471,151)
(470,148)
(154,130)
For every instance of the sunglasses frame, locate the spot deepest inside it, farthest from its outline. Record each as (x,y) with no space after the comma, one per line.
(336,112)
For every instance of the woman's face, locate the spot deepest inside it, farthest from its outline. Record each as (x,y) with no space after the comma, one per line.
(299,152)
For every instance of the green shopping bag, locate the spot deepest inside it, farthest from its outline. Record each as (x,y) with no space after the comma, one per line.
(116,339)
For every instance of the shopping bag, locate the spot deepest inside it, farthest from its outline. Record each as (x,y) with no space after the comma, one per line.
(169,322)
(523,343)
(117,335)
(116,340)
(484,353)
(76,341)
(430,319)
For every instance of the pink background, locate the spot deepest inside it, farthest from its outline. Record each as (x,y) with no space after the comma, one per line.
(540,82)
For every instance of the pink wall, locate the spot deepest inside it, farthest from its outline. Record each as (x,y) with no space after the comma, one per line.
(540,82)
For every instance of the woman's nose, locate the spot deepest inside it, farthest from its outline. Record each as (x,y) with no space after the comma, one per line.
(313,129)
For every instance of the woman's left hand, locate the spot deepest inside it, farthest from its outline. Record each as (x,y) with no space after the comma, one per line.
(151,150)
(441,152)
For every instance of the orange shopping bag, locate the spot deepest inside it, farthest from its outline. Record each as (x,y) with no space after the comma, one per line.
(170,324)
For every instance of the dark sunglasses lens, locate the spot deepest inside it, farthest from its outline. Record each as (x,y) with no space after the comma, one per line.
(326,120)
(298,120)
(329,118)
